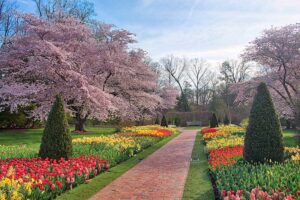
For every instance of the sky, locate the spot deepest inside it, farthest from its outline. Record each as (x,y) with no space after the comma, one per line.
(215,30)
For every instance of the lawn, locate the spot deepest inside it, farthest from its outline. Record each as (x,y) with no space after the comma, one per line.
(290,138)
(198,184)
(32,137)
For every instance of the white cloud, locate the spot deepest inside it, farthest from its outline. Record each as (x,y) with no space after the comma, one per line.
(215,30)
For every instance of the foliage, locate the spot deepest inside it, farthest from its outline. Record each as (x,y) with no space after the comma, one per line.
(236,179)
(177,121)
(164,122)
(183,104)
(278,177)
(114,153)
(213,121)
(263,140)
(157,122)
(56,140)
(18,119)
(244,123)
(226,120)
(17,151)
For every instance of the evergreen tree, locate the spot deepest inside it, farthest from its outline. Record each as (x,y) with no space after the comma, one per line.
(263,140)
(157,120)
(226,120)
(177,121)
(164,121)
(183,104)
(56,140)
(213,121)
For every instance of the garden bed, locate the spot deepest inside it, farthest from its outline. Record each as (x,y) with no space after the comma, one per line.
(233,178)
(24,176)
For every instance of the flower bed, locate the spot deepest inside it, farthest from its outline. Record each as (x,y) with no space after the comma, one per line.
(151,130)
(114,140)
(282,179)
(225,142)
(24,178)
(222,131)
(224,156)
(236,180)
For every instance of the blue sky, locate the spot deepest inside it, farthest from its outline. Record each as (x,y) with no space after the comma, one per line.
(211,29)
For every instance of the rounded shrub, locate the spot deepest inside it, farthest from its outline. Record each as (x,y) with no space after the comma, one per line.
(56,140)
(263,140)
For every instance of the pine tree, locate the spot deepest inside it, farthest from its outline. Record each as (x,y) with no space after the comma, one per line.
(226,120)
(213,121)
(164,121)
(183,104)
(56,140)
(263,140)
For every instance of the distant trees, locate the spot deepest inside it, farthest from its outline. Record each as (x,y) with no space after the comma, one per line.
(8,20)
(191,76)
(82,10)
(200,76)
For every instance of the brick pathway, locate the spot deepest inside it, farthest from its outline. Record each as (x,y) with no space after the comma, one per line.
(161,176)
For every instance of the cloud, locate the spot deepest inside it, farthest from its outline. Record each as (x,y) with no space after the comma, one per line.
(215,29)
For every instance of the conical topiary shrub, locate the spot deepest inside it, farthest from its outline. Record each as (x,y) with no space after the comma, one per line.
(56,140)
(157,120)
(164,121)
(226,120)
(213,121)
(263,140)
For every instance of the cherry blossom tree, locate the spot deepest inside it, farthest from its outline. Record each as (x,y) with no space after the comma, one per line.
(277,51)
(93,69)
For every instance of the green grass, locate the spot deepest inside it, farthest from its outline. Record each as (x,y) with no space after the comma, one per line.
(290,138)
(88,190)
(32,137)
(198,184)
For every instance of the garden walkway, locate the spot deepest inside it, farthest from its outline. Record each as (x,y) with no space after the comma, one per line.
(162,175)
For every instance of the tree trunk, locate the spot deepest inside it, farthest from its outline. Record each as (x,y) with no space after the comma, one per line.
(79,123)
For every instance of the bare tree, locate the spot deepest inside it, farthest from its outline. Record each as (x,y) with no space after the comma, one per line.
(199,76)
(79,9)
(234,71)
(8,20)
(175,68)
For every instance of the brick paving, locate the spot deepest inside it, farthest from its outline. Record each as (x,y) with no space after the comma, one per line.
(161,176)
